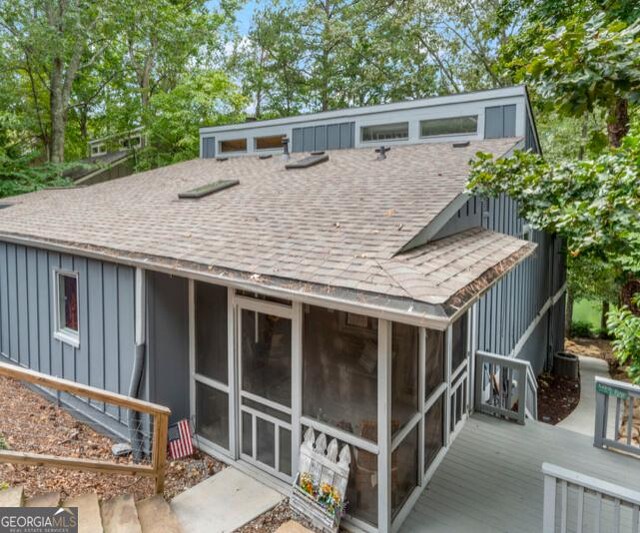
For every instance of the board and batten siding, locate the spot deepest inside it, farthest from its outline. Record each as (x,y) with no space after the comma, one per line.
(106,314)
(510,307)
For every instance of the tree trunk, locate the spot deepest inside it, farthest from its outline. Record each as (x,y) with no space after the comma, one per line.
(56,142)
(604,331)
(618,122)
(568,315)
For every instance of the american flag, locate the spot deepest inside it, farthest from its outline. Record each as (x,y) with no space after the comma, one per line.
(180,444)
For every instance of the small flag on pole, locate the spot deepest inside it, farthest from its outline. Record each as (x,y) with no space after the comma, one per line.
(180,444)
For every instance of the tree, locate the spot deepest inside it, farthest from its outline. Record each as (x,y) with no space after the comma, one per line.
(593,204)
(579,56)
(172,118)
(53,42)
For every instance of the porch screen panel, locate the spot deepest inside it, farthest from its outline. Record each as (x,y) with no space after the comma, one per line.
(404,470)
(340,370)
(212,414)
(433,431)
(266,356)
(459,342)
(404,381)
(211,331)
(434,366)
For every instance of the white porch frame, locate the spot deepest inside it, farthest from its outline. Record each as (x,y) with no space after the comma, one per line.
(385,446)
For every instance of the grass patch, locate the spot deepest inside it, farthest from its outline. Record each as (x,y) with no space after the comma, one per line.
(587,312)
(3,443)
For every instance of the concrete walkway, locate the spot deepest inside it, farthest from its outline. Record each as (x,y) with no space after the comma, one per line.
(582,419)
(223,503)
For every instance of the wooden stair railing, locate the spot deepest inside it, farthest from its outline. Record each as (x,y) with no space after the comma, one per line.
(160,425)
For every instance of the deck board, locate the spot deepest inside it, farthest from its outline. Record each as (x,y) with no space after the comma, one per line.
(491,478)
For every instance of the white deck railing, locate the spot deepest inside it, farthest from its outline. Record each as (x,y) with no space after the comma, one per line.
(573,502)
(624,434)
(505,387)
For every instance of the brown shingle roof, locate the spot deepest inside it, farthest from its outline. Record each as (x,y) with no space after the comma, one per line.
(339,224)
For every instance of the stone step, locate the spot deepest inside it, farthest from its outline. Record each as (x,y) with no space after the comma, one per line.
(293,527)
(89,519)
(119,515)
(11,497)
(156,516)
(46,499)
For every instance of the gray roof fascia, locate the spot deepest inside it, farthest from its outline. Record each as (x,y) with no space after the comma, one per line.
(475,96)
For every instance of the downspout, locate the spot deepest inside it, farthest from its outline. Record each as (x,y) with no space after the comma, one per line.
(135,431)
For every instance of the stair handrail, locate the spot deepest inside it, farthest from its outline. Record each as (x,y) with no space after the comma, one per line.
(160,415)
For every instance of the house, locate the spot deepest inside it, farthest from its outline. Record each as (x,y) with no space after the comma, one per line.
(347,286)
(108,158)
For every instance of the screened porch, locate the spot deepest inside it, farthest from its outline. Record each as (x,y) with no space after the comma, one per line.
(263,369)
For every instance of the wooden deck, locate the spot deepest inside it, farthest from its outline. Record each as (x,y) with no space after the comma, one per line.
(491,478)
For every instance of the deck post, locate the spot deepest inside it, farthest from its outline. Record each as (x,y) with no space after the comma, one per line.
(384,426)
(602,407)
(549,516)
(160,435)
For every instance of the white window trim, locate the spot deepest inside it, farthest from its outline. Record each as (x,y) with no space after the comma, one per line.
(223,153)
(60,333)
(378,141)
(447,135)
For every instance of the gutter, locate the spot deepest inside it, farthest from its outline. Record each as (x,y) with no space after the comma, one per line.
(134,420)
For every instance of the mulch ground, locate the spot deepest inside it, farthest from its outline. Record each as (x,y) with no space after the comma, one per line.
(30,422)
(557,398)
(599,348)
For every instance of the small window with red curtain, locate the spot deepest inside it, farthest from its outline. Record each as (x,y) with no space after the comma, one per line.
(67,323)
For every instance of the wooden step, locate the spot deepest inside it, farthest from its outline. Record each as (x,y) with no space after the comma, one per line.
(89,519)
(119,515)
(157,517)
(11,497)
(46,499)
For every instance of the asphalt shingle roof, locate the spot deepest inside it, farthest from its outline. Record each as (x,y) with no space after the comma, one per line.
(338,225)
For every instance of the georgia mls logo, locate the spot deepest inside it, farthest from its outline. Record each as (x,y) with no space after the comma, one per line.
(38,520)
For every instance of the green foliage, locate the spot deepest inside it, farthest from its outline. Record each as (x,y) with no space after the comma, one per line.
(3,446)
(20,175)
(582,329)
(173,118)
(624,325)
(587,64)
(593,204)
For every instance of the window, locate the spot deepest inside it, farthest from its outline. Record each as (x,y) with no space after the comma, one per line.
(385,132)
(235,145)
(449,126)
(67,326)
(271,142)
(340,368)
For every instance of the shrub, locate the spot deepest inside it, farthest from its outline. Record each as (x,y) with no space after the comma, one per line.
(581,328)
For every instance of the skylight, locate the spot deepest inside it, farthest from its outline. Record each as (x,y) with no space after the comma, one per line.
(209,188)
(308,161)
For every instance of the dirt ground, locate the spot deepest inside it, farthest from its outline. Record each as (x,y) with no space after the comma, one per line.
(31,423)
(600,349)
(558,397)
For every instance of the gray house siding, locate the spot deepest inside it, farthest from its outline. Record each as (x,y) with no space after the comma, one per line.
(208,147)
(168,342)
(106,308)
(508,309)
(500,121)
(332,137)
